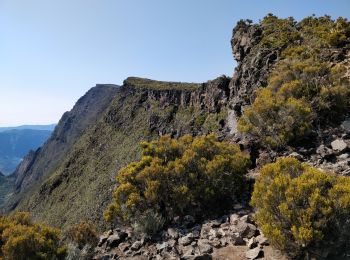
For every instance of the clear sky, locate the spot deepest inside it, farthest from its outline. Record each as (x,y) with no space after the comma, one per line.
(52,52)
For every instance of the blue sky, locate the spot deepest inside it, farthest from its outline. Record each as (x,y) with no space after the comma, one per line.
(52,52)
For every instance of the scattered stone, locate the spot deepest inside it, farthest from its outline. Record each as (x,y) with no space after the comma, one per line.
(173,233)
(162,246)
(215,223)
(246,230)
(116,239)
(234,219)
(324,151)
(186,240)
(238,241)
(204,247)
(252,243)
(254,253)
(262,240)
(339,145)
(346,125)
(343,156)
(136,246)
(297,156)
(102,240)
(124,246)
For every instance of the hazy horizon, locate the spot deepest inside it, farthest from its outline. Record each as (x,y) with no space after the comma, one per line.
(51,53)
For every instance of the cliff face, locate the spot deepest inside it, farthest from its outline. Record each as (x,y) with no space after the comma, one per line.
(71,126)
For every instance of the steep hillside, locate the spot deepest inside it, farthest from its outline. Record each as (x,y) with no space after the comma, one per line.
(80,188)
(15,144)
(71,126)
(6,187)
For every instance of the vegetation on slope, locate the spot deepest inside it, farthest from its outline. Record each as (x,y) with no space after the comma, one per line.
(6,187)
(160,85)
(306,90)
(302,209)
(80,187)
(176,177)
(21,239)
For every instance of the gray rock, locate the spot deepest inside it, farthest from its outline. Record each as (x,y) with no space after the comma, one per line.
(324,151)
(204,246)
(254,253)
(188,250)
(116,239)
(136,246)
(297,156)
(252,243)
(234,219)
(245,230)
(215,223)
(346,125)
(339,145)
(102,240)
(162,246)
(205,231)
(237,241)
(124,246)
(173,233)
(343,156)
(262,240)
(186,240)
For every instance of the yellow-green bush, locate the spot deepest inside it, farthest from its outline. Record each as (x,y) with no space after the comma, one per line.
(275,119)
(300,208)
(178,176)
(22,239)
(304,92)
(83,234)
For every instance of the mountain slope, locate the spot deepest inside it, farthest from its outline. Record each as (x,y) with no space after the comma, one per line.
(80,188)
(6,187)
(71,126)
(15,144)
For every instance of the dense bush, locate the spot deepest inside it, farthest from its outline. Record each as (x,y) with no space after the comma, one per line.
(178,176)
(302,209)
(305,91)
(22,239)
(276,119)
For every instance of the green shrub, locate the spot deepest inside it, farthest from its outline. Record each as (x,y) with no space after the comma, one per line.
(178,176)
(303,93)
(302,209)
(278,33)
(22,239)
(83,234)
(276,120)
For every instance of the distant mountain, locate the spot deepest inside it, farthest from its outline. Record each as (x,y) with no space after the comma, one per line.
(16,143)
(50,127)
